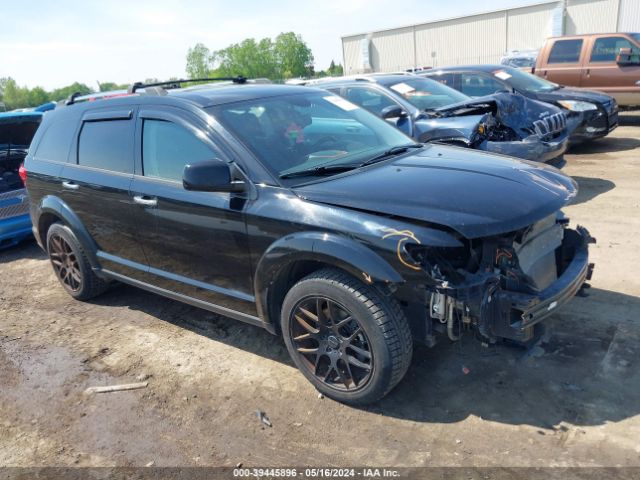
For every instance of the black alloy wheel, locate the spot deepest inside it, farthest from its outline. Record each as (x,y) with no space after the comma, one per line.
(65,263)
(331,343)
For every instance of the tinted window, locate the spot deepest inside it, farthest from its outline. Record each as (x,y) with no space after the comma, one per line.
(369,99)
(444,78)
(167,148)
(605,49)
(478,85)
(523,81)
(107,145)
(295,132)
(565,51)
(426,94)
(56,141)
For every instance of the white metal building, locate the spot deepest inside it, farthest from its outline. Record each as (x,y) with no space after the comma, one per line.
(484,37)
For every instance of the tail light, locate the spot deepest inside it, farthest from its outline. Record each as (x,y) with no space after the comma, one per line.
(23,174)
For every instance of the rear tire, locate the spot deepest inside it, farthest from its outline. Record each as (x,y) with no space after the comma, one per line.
(348,339)
(70,264)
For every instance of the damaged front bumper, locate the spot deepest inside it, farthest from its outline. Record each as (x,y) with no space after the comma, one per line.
(513,315)
(531,148)
(501,304)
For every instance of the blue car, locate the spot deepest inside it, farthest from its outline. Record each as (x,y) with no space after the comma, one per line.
(16,131)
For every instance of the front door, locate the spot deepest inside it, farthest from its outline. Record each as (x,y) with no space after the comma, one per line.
(603,73)
(196,242)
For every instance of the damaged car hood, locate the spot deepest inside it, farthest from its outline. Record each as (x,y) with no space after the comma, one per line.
(514,110)
(473,193)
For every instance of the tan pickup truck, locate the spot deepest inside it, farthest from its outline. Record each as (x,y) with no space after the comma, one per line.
(609,62)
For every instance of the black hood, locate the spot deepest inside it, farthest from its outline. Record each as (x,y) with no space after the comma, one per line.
(573,94)
(473,193)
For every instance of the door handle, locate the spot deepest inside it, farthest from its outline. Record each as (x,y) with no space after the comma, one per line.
(145,200)
(70,185)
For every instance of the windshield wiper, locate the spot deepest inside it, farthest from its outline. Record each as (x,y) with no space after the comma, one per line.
(321,170)
(391,152)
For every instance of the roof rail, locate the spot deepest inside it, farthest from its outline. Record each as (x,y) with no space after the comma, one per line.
(71,99)
(176,83)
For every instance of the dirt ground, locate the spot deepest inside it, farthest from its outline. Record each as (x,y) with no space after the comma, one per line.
(574,400)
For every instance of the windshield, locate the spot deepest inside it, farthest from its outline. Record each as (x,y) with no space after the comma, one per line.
(427,94)
(291,133)
(524,81)
(636,36)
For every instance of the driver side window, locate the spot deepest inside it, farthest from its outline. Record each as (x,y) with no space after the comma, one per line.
(369,99)
(167,148)
(478,85)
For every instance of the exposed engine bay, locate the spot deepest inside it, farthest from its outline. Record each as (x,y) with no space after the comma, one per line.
(502,286)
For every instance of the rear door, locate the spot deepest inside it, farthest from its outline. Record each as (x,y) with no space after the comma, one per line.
(563,64)
(603,73)
(196,242)
(95,185)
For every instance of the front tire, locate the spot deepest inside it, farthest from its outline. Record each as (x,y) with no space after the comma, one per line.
(70,264)
(350,341)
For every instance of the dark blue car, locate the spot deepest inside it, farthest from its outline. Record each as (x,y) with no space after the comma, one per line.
(595,114)
(16,131)
(428,111)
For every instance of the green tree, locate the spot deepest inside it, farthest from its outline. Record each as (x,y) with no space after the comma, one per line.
(249,58)
(37,96)
(15,96)
(110,86)
(293,57)
(64,92)
(288,56)
(198,61)
(335,70)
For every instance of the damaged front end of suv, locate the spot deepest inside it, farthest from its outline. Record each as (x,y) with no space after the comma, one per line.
(496,257)
(503,286)
(502,123)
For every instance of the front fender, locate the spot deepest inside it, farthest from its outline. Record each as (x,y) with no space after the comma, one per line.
(329,248)
(54,205)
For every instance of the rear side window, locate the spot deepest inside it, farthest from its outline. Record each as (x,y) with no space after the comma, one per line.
(55,142)
(167,148)
(605,49)
(566,51)
(107,145)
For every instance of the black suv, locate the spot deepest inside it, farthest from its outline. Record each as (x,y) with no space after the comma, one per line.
(292,209)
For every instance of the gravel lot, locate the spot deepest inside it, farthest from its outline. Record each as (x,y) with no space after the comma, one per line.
(572,401)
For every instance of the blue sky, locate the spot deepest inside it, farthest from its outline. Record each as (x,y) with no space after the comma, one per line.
(53,43)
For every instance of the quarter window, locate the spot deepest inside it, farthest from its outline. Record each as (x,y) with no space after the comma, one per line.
(107,145)
(56,141)
(565,51)
(605,49)
(167,148)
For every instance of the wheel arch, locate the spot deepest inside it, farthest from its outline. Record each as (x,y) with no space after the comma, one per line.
(295,256)
(53,209)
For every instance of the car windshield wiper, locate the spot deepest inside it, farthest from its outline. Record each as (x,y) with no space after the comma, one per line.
(391,152)
(321,170)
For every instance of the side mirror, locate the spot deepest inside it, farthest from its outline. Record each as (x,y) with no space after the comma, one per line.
(210,176)
(624,57)
(393,111)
